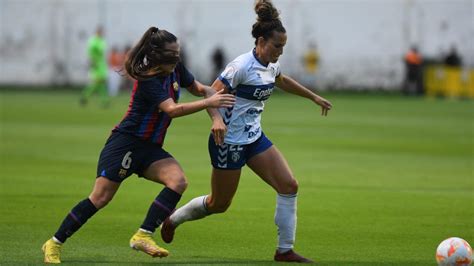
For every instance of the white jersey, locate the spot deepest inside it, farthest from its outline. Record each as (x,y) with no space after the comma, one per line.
(252,83)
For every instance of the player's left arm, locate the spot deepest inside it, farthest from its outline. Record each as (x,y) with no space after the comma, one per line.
(290,85)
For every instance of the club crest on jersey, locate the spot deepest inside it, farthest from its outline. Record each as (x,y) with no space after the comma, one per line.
(122,173)
(235,156)
(175,86)
(274,70)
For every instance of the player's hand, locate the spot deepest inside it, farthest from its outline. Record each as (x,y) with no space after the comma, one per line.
(219,99)
(325,104)
(219,129)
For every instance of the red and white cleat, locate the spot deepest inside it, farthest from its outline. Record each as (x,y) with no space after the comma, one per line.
(291,256)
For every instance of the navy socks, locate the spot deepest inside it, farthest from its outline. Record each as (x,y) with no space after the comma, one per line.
(160,209)
(75,219)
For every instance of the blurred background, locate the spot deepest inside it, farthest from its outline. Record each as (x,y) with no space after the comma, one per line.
(339,45)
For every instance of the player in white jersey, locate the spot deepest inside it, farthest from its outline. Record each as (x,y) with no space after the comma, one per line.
(251,77)
(252,82)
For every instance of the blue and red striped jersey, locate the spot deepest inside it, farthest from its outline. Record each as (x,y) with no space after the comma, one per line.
(144,119)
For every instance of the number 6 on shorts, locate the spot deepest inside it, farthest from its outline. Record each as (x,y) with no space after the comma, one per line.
(127,160)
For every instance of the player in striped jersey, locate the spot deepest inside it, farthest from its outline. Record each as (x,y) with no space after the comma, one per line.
(252,77)
(135,145)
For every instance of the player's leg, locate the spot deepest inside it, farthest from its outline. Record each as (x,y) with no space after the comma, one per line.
(90,88)
(224,184)
(103,192)
(271,166)
(227,160)
(87,92)
(168,172)
(111,173)
(103,92)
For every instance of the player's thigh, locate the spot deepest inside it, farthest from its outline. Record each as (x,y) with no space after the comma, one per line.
(168,172)
(272,167)
(224,185)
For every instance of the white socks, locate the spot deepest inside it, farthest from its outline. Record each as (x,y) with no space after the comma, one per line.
(56,240)
(285,219)
(145,231)
(193,210)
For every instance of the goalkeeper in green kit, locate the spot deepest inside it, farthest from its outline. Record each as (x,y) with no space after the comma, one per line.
(96,51)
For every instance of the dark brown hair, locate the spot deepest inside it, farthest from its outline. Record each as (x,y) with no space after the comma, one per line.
(150,52)
(268,20)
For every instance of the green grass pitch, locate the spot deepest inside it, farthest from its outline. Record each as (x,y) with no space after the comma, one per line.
(383,180)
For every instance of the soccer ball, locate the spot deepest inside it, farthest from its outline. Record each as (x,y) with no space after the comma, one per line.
(454,251)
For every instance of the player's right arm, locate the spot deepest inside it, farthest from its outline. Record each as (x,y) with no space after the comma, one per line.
(218,129)
(223,83)
(219,85)
(228,79)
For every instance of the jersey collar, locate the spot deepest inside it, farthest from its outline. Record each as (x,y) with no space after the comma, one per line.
(256,58)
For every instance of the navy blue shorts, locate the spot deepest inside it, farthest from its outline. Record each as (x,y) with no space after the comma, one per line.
(124,155)
(228,156)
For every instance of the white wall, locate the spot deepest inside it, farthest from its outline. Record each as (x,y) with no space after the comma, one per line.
(361,42)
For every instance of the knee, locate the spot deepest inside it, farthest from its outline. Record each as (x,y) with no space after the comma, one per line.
(100,201)
(182,185)
(179,184)
(289,187)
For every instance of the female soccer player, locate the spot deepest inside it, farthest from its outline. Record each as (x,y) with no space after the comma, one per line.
(252,77)
(135,145)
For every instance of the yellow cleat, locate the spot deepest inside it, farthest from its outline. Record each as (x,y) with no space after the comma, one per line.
(143,241)
(52,251)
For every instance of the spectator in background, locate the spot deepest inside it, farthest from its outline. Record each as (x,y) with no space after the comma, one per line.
(115,60)
(218,61)
(413,79)
(96,51)
(310,63)
(453,74)
(453,59)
